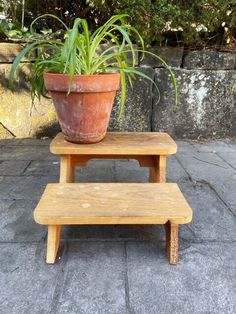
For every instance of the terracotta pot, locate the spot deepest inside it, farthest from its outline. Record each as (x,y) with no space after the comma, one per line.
(84,113)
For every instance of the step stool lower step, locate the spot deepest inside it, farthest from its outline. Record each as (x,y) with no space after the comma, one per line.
(112,203)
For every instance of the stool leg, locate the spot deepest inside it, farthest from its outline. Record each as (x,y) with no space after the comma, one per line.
(172,242)
(54,233)
(158,173)
(66,169)
(153,176)
(167,230)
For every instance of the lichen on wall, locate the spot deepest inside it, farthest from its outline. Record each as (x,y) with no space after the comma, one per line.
(17,114)
(197,92)
(207,103)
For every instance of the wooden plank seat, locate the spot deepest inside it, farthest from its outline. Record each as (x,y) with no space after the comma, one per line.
(112,203)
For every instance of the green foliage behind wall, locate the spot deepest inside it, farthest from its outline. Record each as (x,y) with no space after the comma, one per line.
(165,22)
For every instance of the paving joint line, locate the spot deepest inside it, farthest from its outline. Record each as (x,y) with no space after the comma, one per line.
(208,184)
(226,161)
(125,240)
(218,195)
(147,241)
(127,289)
(180,163)
(59,281)
(208,162)
(22,175)
(21,242)
(27,166)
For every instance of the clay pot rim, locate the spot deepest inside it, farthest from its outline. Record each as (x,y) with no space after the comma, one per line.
(93,83)
(82,75)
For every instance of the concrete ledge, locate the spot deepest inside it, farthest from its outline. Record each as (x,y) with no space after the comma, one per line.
(171,55)
(9,51)
(209,60)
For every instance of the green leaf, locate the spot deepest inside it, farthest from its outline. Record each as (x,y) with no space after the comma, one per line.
(16,62)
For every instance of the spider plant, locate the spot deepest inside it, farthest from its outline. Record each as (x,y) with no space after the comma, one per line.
(78,53)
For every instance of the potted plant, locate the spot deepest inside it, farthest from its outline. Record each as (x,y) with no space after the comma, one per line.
(81,80)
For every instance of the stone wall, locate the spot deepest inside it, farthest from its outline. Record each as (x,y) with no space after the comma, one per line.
(18,116)
(206,95)
(206,106)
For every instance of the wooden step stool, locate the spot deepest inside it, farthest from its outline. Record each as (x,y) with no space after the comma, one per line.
(112,203)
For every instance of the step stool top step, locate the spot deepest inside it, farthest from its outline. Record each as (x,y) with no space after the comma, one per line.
(118,143)
(112,203)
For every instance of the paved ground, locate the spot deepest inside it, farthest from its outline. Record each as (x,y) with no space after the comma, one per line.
(119,269)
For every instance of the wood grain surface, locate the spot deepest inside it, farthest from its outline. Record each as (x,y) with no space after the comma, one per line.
(112,203)
(118,143)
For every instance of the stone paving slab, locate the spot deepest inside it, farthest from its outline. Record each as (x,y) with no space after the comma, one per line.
(205,166)
(94,280)
(229,157)
(22,152)
(153,233)
(24,187)
(175,172)
(35,142)
(43,168)
(17,223)
(96,171)
(211,168)
(186,146)
(130,171)
(203,281)
(12,167)
(153,285)
(216,146)
(27,283)
(233,208)
(226,190)
(24,142)
(9,142)
(212,220)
